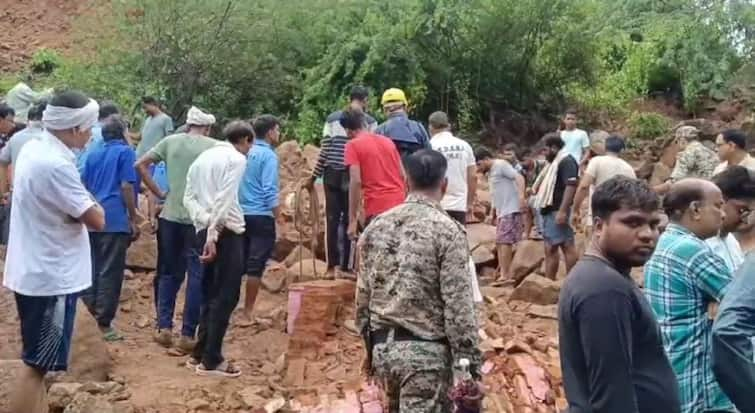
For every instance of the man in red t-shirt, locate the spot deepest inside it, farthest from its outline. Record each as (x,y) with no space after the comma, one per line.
(374,169)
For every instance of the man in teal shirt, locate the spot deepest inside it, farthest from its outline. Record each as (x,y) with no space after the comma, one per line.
(157,126)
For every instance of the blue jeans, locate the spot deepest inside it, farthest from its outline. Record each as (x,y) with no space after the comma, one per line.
(177,252)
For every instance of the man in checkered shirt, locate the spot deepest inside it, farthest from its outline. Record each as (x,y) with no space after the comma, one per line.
(683,279)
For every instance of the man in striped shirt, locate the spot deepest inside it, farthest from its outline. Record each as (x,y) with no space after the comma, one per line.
(330,166)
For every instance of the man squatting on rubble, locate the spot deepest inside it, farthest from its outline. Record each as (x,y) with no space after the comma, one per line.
(414,297)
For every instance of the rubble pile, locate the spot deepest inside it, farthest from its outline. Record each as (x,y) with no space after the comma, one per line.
(301,353)
(521,368)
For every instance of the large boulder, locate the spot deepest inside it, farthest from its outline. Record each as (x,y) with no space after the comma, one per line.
(293,165)
(297,254)
(536,289)
(748,126)
(10,371)
(275,278)
(90,360)
(10,342)
(310,154)
(528,257)
(308,270)
(481,238)
(87,403)
(142,254)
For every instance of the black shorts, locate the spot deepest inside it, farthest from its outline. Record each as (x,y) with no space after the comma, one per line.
(259,243)
(46,330)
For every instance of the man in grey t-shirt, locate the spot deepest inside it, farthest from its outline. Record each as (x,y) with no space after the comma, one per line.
(508,202)
(157,126)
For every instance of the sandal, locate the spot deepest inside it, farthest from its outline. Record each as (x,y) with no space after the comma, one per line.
(224,369)
(110,335)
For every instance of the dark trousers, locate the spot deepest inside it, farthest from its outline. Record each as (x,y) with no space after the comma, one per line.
(108,264)
(177,252)
(5,222)
(259,243)
(221,285)
(337,214)
(459,216)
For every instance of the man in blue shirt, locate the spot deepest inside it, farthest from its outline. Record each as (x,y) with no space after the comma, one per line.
(408,135)
(109,174)
(107,109)
(258,196)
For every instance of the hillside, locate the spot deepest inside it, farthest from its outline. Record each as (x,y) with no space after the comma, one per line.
(31,25)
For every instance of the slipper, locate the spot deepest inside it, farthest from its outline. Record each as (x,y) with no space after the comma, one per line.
(224,369)
(111,335)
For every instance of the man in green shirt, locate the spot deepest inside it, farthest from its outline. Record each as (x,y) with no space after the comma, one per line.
(176,236)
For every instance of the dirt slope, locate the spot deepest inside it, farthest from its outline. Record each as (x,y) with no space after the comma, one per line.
(29,25)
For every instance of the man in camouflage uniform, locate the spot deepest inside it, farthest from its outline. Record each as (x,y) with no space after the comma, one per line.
(695,160)
(414,295)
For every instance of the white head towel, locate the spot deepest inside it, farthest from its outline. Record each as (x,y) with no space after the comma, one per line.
(199,118)
(62,118)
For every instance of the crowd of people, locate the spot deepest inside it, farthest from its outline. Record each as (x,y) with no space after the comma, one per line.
(399,196)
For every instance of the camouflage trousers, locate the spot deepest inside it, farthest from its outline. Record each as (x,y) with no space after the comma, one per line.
(416,375)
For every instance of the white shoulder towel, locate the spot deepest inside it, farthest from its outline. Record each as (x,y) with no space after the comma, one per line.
(62,118)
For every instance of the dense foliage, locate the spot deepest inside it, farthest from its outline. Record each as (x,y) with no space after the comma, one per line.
(475,59)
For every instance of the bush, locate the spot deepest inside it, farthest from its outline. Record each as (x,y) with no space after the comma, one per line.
(45,61)
(474,59)
(644,125)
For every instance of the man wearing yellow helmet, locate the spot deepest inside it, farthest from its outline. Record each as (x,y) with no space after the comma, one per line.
(408,135)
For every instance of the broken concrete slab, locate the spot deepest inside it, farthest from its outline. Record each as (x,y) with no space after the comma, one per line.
(528,257)
(481,239)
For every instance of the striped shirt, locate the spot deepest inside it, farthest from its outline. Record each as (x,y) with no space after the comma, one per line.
(333,142)
(683,276)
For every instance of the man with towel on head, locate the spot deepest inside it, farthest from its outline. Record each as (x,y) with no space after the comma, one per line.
(48,261)
(176,237)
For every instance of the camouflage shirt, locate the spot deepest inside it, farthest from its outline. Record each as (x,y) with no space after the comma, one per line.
(696,161)
(414,274)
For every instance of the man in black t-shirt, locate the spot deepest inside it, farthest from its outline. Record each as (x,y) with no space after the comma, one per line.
(612,355)
(557,233)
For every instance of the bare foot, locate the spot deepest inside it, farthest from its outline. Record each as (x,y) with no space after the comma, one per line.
(503,280)
(245,319)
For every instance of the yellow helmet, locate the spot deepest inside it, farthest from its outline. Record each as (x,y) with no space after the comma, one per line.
(394,95)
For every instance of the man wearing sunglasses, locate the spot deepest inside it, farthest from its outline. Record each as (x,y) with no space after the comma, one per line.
(739,195)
